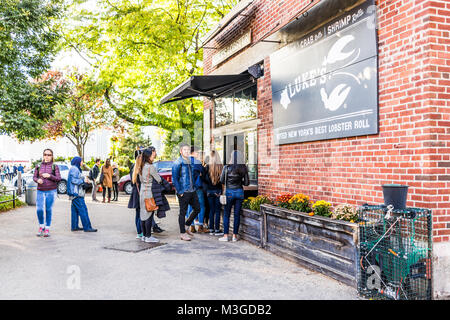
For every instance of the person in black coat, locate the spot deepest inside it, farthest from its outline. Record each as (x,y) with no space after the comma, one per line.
(158,190)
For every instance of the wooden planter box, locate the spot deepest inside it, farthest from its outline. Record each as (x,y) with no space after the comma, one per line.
(321,244)
(251,226)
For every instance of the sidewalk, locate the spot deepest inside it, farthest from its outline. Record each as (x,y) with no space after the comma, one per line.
(76,265)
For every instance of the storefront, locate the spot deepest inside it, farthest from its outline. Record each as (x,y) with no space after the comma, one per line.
(341,96)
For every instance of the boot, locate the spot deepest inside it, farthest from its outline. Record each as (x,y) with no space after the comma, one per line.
(109,200)
(193,229)
(201,229)
(103,200)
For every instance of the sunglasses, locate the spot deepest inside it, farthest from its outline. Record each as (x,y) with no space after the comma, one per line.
(48,154)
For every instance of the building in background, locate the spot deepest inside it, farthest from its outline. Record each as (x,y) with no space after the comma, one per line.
(333,98)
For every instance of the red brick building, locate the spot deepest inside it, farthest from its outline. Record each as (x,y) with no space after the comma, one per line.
(411,143)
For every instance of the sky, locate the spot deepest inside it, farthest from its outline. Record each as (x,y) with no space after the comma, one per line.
(99,143)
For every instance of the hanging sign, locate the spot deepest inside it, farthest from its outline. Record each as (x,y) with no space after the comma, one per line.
(325,85)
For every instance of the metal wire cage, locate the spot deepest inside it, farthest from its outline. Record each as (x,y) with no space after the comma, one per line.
(394,253)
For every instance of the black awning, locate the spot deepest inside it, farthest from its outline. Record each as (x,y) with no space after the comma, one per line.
(211,86)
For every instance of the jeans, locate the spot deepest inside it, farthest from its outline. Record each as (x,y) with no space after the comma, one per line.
(94,190)
(146,226)
(201,215)
(188,198)
(79,210)
(137,221)
(115,190)
(45,199)
(214,209)
(234,197)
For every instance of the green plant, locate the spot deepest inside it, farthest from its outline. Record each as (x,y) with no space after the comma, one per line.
(345,212)
(123,171)
(8,205)
(300,202)
(322,208)
(254,203)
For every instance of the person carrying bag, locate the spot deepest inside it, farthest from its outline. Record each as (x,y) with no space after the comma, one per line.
(147,172)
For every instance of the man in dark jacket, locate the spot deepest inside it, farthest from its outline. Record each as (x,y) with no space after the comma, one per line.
(93,174)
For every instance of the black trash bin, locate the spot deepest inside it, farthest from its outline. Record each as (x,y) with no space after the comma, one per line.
(396,195)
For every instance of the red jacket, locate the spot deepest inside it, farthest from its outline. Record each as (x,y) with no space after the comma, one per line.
(50,183)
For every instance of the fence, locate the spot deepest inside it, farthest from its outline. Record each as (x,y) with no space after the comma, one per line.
(395,253)
(14,197)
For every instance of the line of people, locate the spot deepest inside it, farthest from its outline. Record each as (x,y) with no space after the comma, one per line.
(9,172)
(195,180)
(108,176)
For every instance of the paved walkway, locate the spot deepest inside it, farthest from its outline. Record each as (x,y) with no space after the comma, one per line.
(76,265)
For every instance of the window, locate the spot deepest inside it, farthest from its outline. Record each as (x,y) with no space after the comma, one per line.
(237,107)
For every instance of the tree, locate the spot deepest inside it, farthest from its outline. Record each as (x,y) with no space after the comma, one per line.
(141,50)
(28,43)
(82,111)
(127,144)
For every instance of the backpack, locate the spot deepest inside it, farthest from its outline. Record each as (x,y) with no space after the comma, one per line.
(39,167)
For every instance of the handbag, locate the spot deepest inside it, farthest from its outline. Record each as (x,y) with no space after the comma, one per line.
(150,204)
(223,197)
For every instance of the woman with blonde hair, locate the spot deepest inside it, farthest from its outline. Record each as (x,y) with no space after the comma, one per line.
(213,171)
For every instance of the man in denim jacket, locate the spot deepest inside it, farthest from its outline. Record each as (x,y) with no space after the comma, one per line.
(183,181)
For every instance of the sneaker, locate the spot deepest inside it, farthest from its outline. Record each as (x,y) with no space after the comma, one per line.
(188,231)
(41,232)
(185,237)
(224,238)
(218,233)
(46,233)
(139,236)
(211,232)
(235,238)
(157,229)
(142,238)
(193,229)
(151,239)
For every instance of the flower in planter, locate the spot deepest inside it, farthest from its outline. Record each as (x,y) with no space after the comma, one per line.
(283,200)
(254,203)
(345,212)
(300,202)
(322,208)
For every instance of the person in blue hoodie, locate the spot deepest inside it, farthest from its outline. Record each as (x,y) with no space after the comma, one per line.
(76,192)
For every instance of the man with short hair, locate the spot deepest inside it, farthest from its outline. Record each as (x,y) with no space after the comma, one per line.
(183,181)
(93,174)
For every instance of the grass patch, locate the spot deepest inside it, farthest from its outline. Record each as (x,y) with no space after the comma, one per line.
(9,205)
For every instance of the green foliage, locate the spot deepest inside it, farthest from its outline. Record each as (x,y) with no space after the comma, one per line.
(322,208)
(141,50)
(28,43)
(127,144)
(123,171)
(82,111)
(254,203)
(8,205)
(300,202)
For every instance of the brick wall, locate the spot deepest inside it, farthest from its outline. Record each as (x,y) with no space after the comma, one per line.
(413,144)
